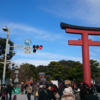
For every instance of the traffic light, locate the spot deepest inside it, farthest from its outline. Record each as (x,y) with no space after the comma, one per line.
(35,47)
(40,47)
(34,50)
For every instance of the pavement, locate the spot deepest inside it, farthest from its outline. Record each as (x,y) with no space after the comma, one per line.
(22,97)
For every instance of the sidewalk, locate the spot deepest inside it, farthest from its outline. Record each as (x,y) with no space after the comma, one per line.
(23,97)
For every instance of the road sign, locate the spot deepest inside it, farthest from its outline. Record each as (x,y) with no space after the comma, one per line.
(27,49)
(18,46)
(28,42)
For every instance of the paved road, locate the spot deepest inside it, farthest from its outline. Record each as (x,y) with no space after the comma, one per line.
(23,97)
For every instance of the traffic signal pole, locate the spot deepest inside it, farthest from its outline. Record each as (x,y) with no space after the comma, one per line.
(4,69)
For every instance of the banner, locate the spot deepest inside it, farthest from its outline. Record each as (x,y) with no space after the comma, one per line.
(17,91)
(55,82)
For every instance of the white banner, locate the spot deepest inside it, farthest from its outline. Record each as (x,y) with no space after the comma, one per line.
(55,82)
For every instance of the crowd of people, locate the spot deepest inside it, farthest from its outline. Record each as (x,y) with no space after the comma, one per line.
(49,91)
(6,92)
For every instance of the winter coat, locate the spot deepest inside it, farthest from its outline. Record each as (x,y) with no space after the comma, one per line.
(98,89)
(71,89)
(10,89)
(90,97)
(68,96)
(29,89)
(3,90)
(60,91)
(46,95)
(83,92)
(57,96)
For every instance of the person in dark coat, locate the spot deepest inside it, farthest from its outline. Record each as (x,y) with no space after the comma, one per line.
(90,95)
(46,94)
(60,90)
(3,92)
(83,91)
(10,91)
(6,91)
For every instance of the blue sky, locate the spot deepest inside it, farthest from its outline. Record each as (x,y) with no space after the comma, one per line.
(39,20)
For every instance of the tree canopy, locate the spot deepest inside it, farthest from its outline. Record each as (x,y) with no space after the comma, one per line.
(3,46)
(55,70)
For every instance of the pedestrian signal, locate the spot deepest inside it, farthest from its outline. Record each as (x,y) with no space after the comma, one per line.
(34,50)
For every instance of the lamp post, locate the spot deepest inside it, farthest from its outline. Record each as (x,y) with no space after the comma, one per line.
(16,72)
(4,69)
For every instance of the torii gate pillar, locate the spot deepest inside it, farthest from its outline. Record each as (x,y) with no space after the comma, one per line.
(85,43)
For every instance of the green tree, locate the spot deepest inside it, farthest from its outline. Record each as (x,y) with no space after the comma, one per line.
(3,46)
(94,68)
(26,72)
(42,68)
(55,70)
(33,72)
(76,72)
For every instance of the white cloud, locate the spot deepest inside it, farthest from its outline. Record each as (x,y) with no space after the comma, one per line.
(22,58)
(16,28)
(84,10)
(46,55)
(34,62)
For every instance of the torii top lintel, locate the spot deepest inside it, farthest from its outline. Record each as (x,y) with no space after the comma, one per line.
(85,31)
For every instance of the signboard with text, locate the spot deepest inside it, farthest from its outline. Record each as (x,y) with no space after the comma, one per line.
(27,49)
(18,46)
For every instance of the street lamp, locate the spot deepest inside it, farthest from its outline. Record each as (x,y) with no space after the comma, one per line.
(16,72)
(4,69)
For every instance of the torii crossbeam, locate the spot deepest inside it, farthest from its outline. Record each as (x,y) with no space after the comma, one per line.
(85,43)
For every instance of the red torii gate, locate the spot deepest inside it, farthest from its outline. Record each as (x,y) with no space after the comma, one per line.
(85,43)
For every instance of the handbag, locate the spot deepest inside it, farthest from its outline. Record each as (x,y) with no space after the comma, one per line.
(3,95)
(36,94)
(14,97)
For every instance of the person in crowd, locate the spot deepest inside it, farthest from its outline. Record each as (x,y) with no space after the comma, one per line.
(93,89)
(22,88)
(36,91)
(89,95)
(67,95)
(77,93)
(3,92)
(87,86)
(54,87)
(31,83)
(29,91)
(10,91)
(98,90)
(55,91)
(46,94)
(83,91)
(6,92)
(40,88)
(60,90)
(70,88)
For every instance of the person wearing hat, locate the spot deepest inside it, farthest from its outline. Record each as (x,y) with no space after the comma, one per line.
(67,95)
(46,94)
